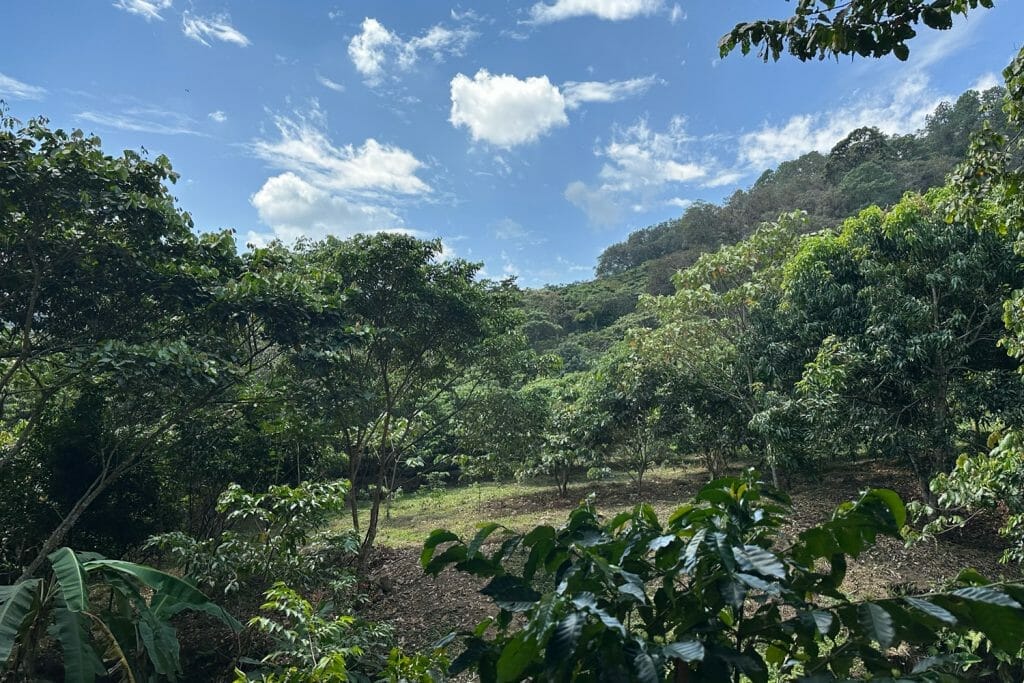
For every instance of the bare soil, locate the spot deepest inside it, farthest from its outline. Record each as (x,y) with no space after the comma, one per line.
(424,608)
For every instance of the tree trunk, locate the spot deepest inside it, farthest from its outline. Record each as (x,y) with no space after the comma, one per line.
(56,537)
(371,526)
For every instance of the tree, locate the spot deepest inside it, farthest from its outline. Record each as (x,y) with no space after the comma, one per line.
(708,339)
(921,322)
(823,28)
(418,336)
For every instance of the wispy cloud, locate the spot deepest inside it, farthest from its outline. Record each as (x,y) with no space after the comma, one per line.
(218,27)
(640,165)
(324,188)
(376,51)
(576,93)
(329,84)
(143,120)
(218,116)
(147,9)
(15,89)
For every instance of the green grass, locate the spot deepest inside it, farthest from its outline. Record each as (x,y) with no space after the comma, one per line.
(462,508)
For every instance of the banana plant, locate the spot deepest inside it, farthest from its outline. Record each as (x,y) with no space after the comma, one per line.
(111,619)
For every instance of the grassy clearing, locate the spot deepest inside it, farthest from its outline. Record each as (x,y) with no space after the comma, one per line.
(519,506)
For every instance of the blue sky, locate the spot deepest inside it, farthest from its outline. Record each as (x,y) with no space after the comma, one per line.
(527,135)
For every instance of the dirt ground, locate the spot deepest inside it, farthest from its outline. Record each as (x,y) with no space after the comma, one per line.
(423,608)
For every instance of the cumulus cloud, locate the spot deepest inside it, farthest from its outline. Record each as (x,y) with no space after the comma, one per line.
(324,188)
(505,110)
(375,49)
(218,27)
(15,89)
(295,208)
(147,9)
(576,93)
(903,109)
(218,116)
(609,10)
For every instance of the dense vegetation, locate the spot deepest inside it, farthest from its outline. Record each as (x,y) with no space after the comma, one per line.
(245,420)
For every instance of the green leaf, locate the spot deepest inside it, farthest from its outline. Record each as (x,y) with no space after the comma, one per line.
(756,558)
(18,607)
(171,594)
(562,646)
(71,578)
(822,621)
(511,593)
(81,663)
(877,624)
(986,595)
(895,504)
(436,538)
(932,610)
(518,654)
(161,643)
(634,591)
(481,536)
(643,667)
(686,650)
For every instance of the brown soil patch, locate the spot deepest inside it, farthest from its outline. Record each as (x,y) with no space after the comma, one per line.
(424,608)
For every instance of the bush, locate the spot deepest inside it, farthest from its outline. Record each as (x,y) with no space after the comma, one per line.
(707,596)
(273,536)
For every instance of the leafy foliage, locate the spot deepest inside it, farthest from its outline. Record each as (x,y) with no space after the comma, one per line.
(270,537)
(125,633)
(707,595)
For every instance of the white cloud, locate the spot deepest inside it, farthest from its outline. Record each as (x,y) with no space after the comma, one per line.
(641,159)
(147,9)
(640,165)
(987,81)
(680,203)
(218,116)
(609,10)
(576,93)
(12,87)
(143,120)
(329,84)
(504,110)
(295,208)
(724,178)
(676,14)
(373,167)
(329,189)
(508,229)
(601,207)
(375,49)
(902,109)
(218,27)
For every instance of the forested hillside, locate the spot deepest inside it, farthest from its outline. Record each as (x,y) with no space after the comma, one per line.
(866,168)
